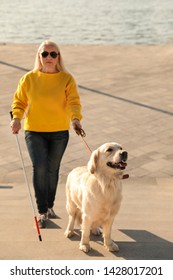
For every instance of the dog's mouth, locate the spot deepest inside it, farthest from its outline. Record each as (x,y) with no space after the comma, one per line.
(120,165)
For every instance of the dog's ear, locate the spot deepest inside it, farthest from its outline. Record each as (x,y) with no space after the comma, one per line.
(92,164)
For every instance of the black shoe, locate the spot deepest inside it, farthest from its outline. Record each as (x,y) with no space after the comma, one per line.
(42,220)
(51,214)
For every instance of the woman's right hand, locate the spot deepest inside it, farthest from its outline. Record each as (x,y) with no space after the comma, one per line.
(15,126)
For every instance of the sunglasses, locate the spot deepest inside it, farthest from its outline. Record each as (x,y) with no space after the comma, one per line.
(52,54)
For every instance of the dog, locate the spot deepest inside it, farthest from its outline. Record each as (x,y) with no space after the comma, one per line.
(94,194)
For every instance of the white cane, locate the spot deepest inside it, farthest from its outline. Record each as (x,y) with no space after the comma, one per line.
(27,183)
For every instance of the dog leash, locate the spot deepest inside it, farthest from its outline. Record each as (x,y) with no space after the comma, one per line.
(82,134)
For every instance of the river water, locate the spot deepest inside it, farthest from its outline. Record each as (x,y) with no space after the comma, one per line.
(87,22)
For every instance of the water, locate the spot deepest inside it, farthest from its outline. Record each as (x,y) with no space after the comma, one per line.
(87,22)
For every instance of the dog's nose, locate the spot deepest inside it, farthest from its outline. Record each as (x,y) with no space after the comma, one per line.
(124,155)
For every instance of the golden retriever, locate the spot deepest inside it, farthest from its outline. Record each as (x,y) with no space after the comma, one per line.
(94,194)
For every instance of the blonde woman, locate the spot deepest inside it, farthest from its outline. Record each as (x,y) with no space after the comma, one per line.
(48,95)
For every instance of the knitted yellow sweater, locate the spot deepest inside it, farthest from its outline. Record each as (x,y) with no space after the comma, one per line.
(50,101)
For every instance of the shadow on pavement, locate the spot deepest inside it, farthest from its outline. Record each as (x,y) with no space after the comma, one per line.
(146,246)
(6,187)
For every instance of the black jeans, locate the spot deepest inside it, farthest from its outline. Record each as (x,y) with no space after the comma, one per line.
(46,150)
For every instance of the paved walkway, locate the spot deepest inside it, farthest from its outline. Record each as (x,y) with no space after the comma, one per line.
(126,92)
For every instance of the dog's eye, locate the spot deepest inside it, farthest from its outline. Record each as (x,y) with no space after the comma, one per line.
(109,150)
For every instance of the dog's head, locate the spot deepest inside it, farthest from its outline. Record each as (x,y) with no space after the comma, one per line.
(109,157)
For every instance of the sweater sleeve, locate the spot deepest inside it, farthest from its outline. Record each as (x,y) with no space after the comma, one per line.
(20,101)
(73,100)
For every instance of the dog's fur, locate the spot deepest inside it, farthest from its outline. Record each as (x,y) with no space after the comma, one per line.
(94,194)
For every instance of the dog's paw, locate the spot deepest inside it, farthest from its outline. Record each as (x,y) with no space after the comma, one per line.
(68,233)
(85,247)
(96,231)
(113,247)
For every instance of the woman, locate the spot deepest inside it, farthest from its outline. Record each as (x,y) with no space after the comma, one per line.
(48,95)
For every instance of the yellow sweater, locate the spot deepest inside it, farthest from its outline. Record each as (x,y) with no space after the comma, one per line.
(50,101)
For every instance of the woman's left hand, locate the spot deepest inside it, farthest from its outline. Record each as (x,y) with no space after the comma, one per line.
(77,126)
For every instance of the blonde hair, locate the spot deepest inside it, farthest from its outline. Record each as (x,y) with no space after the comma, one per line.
(60,64)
